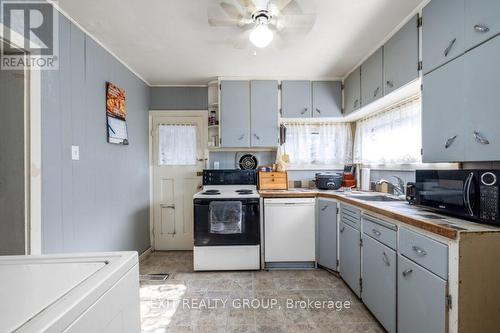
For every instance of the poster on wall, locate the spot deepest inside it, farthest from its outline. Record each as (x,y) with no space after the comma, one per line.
(116,115)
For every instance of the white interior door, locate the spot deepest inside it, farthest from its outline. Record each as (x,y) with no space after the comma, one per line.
(179,156)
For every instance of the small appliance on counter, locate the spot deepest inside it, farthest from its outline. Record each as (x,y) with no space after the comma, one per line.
(411,193)
(328,180)
(468,194)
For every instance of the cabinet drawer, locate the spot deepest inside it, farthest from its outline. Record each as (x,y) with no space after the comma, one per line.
(424,251)
(355,223)
(352,211)
(382,231)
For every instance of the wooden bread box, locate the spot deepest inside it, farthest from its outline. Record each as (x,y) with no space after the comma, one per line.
(273,180)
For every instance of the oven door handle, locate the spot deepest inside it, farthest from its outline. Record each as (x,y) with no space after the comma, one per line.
(467,187)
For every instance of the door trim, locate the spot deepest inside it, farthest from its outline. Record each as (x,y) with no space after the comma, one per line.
(33,154)
(166,113)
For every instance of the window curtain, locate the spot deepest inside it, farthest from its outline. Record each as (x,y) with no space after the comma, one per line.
(318,144)
(177,145)
(390,137)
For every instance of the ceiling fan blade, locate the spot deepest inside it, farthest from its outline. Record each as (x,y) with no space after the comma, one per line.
(223,22)
(282,3)
(302,22)
(231,10)
(248,4)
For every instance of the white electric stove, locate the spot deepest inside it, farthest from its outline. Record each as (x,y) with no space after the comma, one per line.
(227,221)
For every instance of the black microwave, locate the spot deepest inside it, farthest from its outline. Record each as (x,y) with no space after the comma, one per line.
(468,194)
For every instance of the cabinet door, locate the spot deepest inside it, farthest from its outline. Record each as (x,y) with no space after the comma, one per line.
(443,134)
(296,99)
(327,99)
(442,32)
(327,234)
(379,282)
(372,78)
(482,82)
(421,299)
(401,57)
(264,113)
(352,92)
(482,21)
(235,113)
(350,257)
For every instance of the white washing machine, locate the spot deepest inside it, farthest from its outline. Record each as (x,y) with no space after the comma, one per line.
(77,293)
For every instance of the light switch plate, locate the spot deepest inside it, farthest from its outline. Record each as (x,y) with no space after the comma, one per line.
(216,165)
(75,153)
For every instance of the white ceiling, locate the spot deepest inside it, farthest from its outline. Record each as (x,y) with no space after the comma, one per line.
(169,42)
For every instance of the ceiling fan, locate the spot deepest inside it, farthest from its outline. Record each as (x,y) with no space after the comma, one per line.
(264,19)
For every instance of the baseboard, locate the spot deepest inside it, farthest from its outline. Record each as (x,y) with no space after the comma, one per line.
(145,254)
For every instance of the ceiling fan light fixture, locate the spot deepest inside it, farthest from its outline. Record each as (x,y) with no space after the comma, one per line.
(261,36)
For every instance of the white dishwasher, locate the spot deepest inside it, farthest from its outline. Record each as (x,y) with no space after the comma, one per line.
(289,231)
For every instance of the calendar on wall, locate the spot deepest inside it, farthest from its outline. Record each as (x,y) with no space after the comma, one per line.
(116,115)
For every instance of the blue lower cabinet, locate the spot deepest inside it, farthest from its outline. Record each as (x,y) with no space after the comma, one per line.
(350,257)
(421,299)
(379,282)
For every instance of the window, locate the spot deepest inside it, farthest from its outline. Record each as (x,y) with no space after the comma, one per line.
(310,145)
(177,145)
(390,137)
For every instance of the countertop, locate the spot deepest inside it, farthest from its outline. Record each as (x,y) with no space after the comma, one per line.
(401,211)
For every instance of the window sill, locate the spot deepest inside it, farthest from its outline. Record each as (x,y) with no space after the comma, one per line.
(411,166)
(332,167)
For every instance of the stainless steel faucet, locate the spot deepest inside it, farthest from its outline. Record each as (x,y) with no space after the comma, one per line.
(399,188)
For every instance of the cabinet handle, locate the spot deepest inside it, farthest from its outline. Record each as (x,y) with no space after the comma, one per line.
(407,272)
(324,208)
(342,229)
(385,259)
(256,136)
(304,111)
(450,141)
(448,49)
(356,103)
(167,206)
(481,28)
(390,84)
(375,93)
(376,232)
(481,139)
(421,252)
(318,111)
(241,137)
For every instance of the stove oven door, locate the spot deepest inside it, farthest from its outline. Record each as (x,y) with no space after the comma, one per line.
(223,222)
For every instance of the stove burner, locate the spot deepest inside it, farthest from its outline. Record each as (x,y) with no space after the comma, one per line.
(241,192)
(211,192)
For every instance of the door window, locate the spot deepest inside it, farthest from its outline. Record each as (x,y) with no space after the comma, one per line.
(177,145)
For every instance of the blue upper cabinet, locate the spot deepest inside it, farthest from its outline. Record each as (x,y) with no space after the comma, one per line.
(327,99)
(235,114)
(296,99)
(482,21)
(442,32)
(264,113)
(352,92)
(372,77)
(401,57)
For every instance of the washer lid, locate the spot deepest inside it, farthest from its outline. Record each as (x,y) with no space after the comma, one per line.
(28,288)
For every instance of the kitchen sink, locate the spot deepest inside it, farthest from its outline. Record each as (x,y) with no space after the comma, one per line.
(375,198)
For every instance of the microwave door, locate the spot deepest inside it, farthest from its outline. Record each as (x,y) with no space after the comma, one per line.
(444,192)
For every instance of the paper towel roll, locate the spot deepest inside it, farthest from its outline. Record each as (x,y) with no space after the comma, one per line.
(365,179)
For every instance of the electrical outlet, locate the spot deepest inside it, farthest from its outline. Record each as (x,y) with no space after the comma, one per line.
(75,153)
(216,165)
